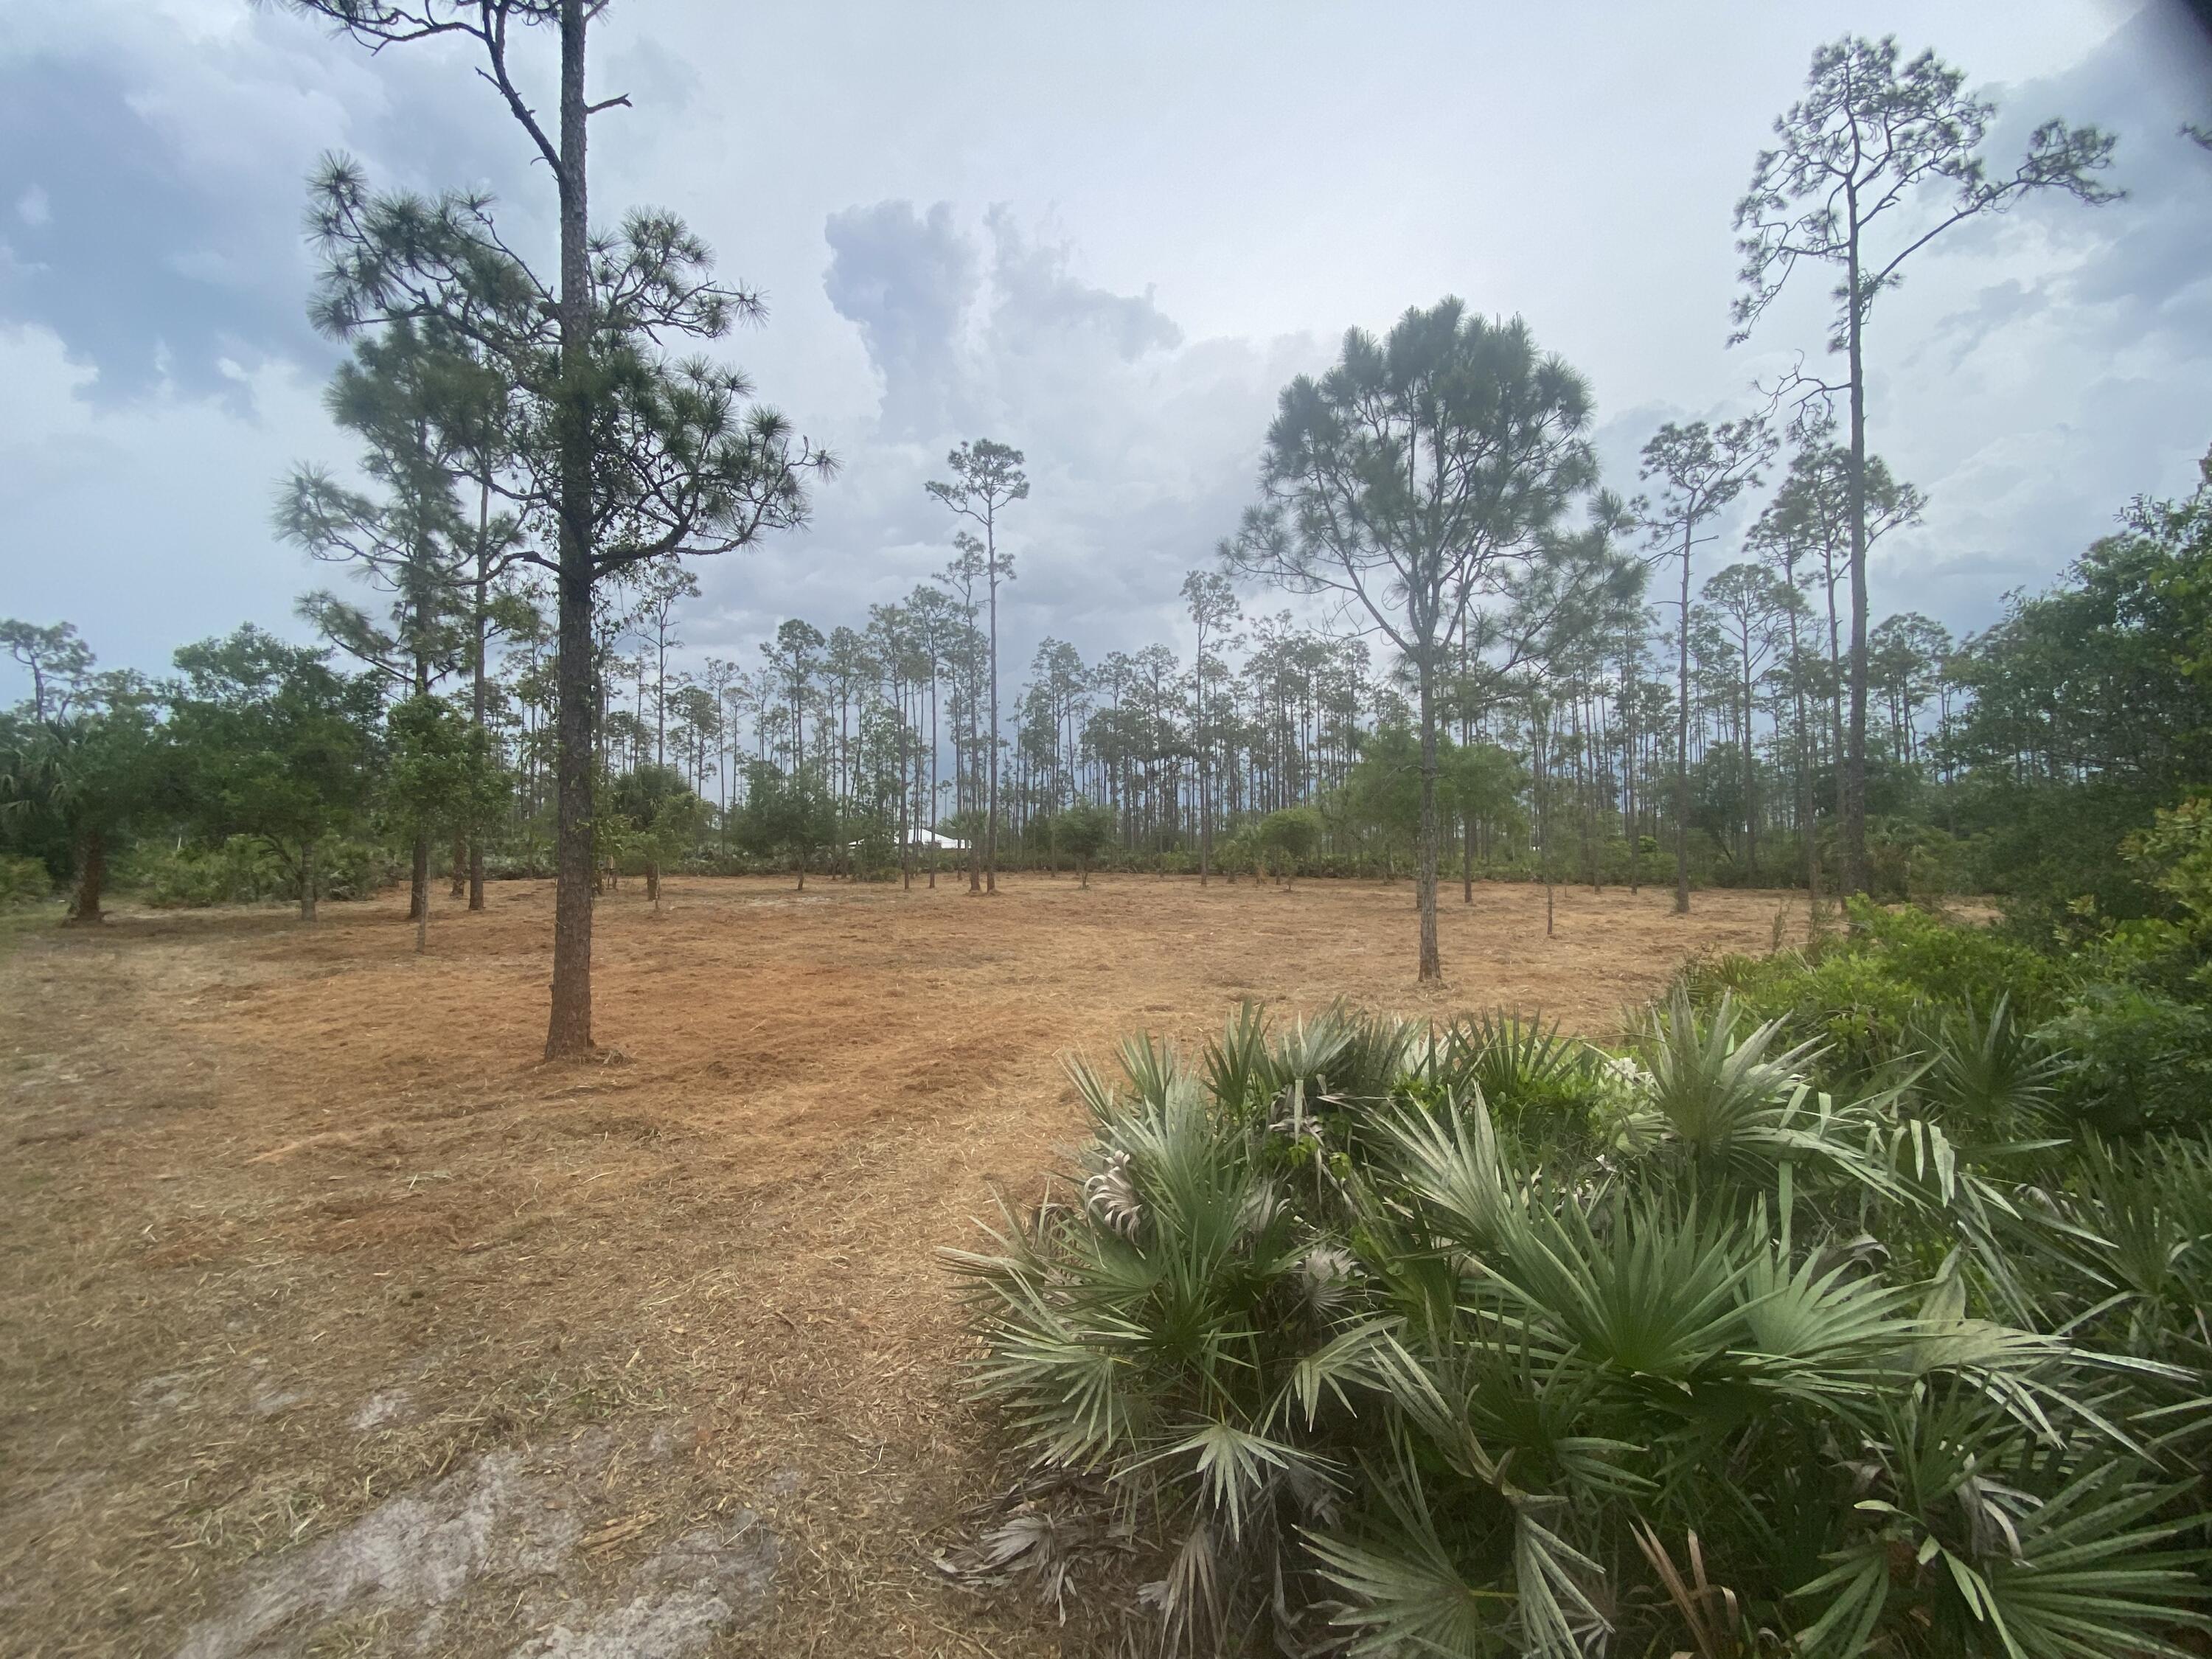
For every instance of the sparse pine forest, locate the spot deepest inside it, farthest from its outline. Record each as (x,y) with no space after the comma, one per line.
(1845,1297)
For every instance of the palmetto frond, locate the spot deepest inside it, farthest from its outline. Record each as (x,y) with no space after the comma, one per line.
(1356,1349)
(1986,1076)
(1738,1109)
(1956,1547)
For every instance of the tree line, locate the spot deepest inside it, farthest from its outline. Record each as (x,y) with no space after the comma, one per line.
(1497,655)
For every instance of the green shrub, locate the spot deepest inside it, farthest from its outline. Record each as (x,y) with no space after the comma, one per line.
(1958,963)
(1865,995)
(354,870)
(23,881)
(1850,1002)
(2133,1059)
(1288,838)
(241,871)
(246,871)
(1353,1371)
(2148,951)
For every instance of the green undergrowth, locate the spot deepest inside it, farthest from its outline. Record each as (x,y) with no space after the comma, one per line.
(1760,1334)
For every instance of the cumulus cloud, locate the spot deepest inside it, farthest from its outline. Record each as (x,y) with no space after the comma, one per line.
(907,281)
(1141,444)
(1041,306)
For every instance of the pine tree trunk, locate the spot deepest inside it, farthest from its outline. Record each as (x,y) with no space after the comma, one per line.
(991,808)
(1682,744)
(1205,789)
(1750,776)
(84,909)
(1466,743)
(933,741)
(1431,963)
(1852,830)
(1631,823)
(1542,733)
(569,1030)
(418,877)
(1805,816)
(479,692)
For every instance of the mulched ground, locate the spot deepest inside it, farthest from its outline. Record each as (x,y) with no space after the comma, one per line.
(333,1323)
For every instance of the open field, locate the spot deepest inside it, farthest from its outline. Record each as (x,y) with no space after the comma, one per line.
(332,1323)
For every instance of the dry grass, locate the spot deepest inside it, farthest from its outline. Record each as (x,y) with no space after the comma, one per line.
(293,1224)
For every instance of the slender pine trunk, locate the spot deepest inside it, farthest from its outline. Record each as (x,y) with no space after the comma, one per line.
(1542,733)
(1750,774)
(1683,741)
(569,1029)
(1805,826)
(991,808)
(1431,968)
(1205,787)
(1629,755)
(479,691)
(1853,827)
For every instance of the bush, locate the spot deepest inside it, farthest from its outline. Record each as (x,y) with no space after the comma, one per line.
(353,869)
(1346,1367)
(241,871)
(1914,862)
(23,881)
(1862,994)
(2133,1061)
(1287,839)
(246,871)
(1952,962)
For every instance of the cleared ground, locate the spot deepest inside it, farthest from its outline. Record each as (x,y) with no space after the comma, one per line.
(331,1323)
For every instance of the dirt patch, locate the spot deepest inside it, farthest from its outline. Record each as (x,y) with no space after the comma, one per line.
(332,1321)
(501,1534)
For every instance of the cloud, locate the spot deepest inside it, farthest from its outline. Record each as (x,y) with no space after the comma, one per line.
(155,156)
(2068,380)
(1155,269)
(119,247)
(1141,445)
(1041,306)
(146,523)
(907,281)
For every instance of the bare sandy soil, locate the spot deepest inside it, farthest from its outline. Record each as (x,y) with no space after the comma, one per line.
(333,1322)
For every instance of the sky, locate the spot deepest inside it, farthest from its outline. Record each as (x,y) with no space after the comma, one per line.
(1108,236)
